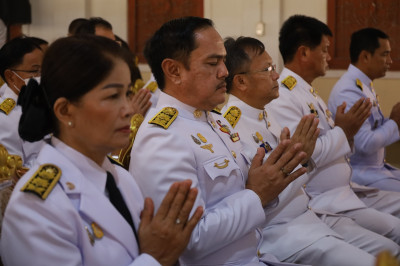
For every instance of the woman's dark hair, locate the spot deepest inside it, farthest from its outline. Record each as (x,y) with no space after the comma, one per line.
(71,67)
(176,40)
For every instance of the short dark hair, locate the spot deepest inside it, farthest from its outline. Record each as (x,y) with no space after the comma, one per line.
(300,30)
(75,24)
(365,39)
(98,21)
(237,55)
(12,53)
(39,41)
(176,40)
(72,66)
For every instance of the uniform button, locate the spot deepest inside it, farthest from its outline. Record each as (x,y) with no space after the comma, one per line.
(233,154)
(309,208)
(258,253)
(348,159)
(70,185)
(304,186)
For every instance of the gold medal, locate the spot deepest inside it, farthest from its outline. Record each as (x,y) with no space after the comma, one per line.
(195,140)
(203,139)
(98,233)
(197,113)
(208,147)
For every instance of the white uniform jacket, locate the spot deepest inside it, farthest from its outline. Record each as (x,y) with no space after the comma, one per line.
(195,148)
(376,133)
(329,185)
(9,136)
(56,231)
(291,226)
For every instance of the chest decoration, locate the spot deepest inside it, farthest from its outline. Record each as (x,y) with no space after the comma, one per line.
(313,110)
(201,139)
(263,144)
(43,181)
(359,84)
(7,105)
(165,117)
(152,87)
(232,115)
(314,92)
(222,165)
(224,128)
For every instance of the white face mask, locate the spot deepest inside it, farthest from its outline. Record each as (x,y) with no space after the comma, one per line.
(25,80)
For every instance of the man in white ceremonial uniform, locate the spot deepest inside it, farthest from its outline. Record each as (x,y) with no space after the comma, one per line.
(305,56)
(184,140)
(294,233)
(370,59)
(20,60)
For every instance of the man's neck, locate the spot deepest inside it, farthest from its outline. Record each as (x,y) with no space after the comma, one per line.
(301,71)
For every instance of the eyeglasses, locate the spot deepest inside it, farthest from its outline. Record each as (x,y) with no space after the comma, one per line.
(268,69)
(33,73)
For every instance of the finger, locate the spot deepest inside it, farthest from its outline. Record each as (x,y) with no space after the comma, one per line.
(187,206)
(147,213)
(285,134)
(313,127)
(293,176)
(167,201)
(340,109)
(300,127)
(277,152)
(308,126)
(293,162)
(178,202)
(288,158)
(191,224)
(258,158)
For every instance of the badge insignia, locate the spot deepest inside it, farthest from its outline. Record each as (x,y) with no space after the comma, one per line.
(203,139)
(7,105)
(97,232)
(328,113)
(152,87)
(259,137)
(90,235)
(233,154)
(43,181)
(359,84)
(232,115)
(314,92)
(208,147)
(197,113)
(268,124)
(222,166)
(223,128)
(266,147)
(235,137)
(137,86)
(165,117)
(255,138)
(289,82)
(216,110)
(195,140)
(313,110)
(260,116)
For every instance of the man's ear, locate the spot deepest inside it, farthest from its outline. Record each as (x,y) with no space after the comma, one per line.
(172,70)
(240,82)
(9,77)
(64,111)
(364,56)
(303,52)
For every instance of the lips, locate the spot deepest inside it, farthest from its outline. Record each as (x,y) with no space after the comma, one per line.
(221,85)
(125,129)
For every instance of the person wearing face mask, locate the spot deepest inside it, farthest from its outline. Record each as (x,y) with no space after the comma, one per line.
(20,60)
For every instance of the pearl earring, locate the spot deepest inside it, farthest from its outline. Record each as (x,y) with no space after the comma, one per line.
(70,123)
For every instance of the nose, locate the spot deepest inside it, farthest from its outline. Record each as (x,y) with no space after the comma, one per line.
(128,107)
(222,71)
(328,57)
(389,60)
(275,75)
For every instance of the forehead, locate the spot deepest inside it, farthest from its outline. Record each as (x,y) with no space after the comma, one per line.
(325,41)
(208,44)
(33,58)
(263,59)
(384,44)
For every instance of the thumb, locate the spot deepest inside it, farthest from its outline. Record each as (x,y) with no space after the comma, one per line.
(147,213)
(340,109)
(258,158)
(285,134)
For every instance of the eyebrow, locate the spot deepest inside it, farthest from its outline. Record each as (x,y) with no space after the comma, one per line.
(217,56)
(116,85)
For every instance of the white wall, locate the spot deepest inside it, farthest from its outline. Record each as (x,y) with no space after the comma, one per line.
(50,18)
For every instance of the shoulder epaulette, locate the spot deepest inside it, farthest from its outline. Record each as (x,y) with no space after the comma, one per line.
(139,83)
(359,84)
(165,117)
(232,115)
(43,180)
(216,110)
(289,82)
(152,86)
(114,161)
(7,105)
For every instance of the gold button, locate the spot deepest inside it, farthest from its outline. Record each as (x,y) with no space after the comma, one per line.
(233,154)
(304,186)
(213,124)
(70,185)
(197,113)
(309,207)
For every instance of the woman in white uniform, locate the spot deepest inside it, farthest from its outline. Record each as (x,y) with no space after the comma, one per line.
(75,206)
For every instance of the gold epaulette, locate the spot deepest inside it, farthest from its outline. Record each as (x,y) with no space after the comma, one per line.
(232,115)
(217,110)
(165,117)
(289,82)
(43,180)
(152,87)
(7,105)
(359,84)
